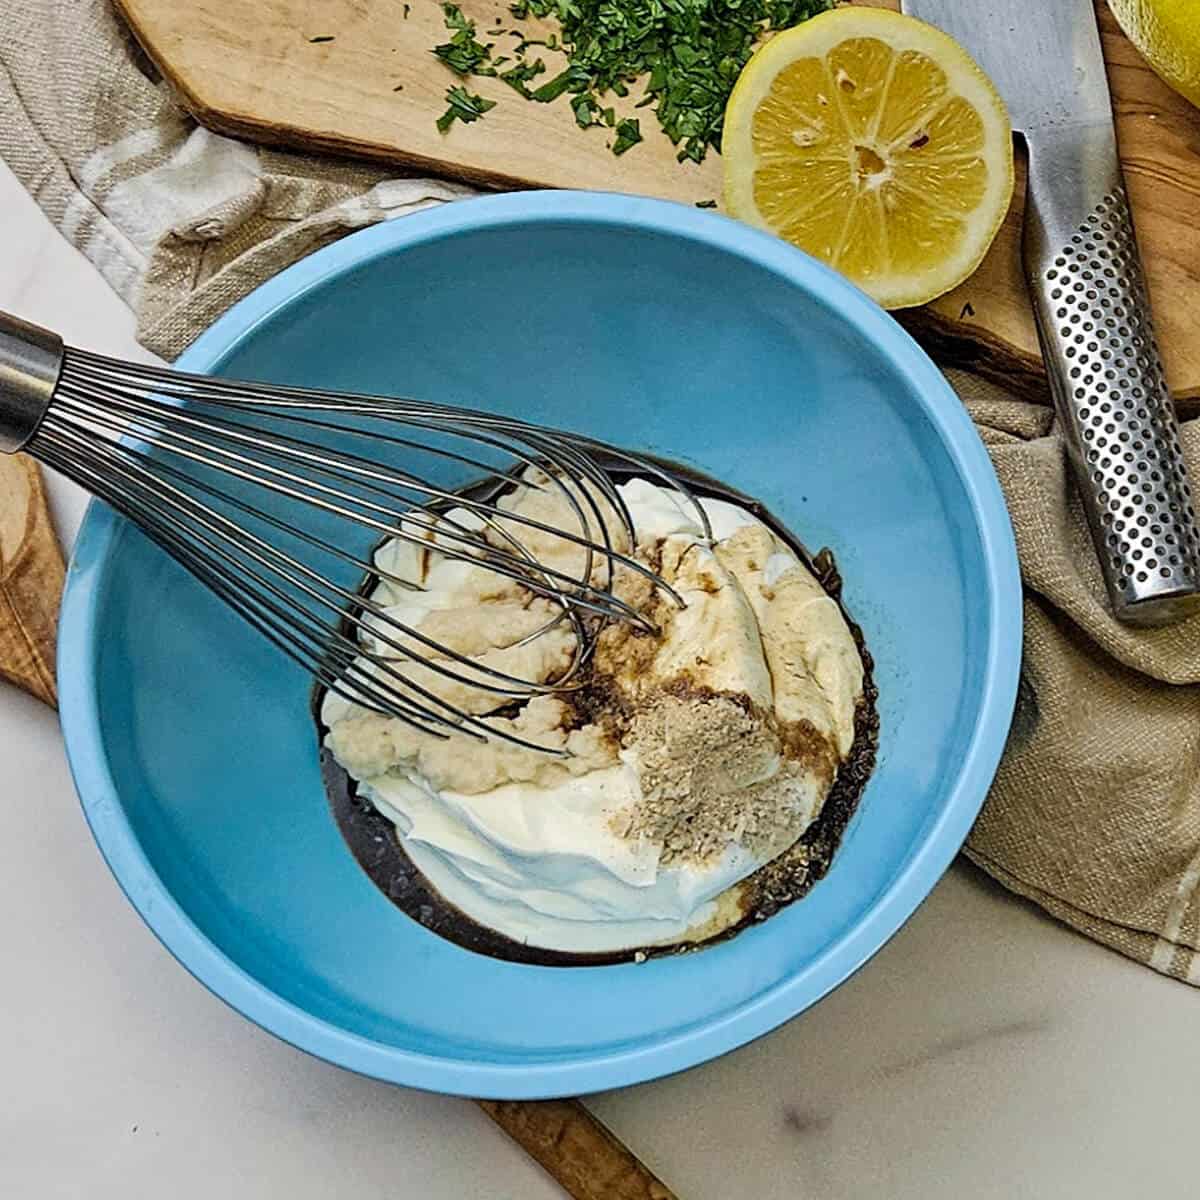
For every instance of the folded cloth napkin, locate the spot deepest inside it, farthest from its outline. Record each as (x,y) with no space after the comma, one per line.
(1095,813)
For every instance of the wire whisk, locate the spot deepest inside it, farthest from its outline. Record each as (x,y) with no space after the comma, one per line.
(275,498)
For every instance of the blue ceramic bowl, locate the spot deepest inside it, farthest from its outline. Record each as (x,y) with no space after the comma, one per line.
(648,324)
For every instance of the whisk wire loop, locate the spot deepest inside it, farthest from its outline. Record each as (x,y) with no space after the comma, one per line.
(271,495)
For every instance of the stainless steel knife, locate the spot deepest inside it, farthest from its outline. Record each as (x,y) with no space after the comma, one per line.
(1086,283)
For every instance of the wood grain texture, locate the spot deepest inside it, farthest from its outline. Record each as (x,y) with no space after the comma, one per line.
(582,1155)
(579,1152)
(31,580)
(264,79)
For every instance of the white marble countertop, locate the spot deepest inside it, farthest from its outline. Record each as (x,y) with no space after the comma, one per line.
(985,1052)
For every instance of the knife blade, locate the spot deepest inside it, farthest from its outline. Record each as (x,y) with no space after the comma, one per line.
(1085,279)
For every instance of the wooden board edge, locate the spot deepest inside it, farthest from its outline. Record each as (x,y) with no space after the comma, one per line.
(950,343)
(220,120)
(979,352)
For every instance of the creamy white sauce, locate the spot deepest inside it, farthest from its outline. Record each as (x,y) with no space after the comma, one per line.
(543,865)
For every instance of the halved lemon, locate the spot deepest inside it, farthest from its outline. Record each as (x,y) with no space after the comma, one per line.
(1167,32)
(874,142)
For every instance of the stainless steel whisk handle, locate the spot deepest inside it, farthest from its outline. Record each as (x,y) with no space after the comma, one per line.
(1106,375)
(31,360)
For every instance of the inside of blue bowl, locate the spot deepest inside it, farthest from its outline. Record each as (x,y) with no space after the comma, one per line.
(662,343)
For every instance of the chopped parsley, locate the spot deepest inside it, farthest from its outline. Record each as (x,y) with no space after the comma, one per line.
(464,107)
(585,111)
(683,56)
(462,53)
(629,133)
(573,79)
(518,77)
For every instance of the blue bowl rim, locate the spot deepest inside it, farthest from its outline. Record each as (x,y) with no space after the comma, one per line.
(653,1058)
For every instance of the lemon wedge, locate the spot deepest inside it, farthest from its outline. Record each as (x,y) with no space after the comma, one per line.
(1167,32)
(874,142)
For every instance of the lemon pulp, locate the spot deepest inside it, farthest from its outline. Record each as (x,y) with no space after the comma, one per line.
(1167,32)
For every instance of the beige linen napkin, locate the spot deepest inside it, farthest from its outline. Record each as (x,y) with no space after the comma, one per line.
(1095,814)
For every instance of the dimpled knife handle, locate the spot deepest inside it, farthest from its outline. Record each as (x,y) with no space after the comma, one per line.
(1093,316)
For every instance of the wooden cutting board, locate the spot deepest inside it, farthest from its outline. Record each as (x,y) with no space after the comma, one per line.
(356,77)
